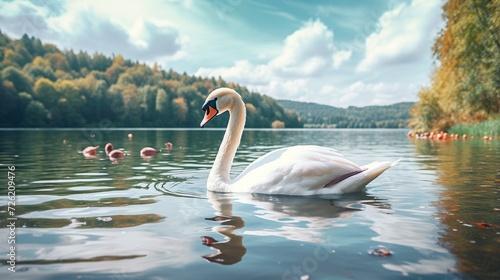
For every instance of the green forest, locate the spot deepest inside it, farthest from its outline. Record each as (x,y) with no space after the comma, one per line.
(465,85)
(324,116)
(42,86)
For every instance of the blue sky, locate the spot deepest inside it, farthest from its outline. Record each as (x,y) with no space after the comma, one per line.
(339,53)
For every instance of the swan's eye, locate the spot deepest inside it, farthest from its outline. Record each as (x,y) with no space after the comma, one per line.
(210,104)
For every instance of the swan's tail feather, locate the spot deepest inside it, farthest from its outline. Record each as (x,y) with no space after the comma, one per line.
(374,169)
(396,162)
(342,178)
(358,181)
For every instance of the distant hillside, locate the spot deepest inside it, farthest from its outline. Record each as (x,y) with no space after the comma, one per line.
(317,115)
(43,86)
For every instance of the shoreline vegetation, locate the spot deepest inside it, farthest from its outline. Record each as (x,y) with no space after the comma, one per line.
(487,128)
(464,95)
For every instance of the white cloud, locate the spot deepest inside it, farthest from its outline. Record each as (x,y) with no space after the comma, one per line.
(308,52)
(87,27)
(405,35)
(94,30)
(243,72)
(156,40)
(340,57)
(20,17)
(294,89)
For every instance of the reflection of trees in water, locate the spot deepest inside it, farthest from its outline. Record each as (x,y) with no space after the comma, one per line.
(470,173)
(299,218)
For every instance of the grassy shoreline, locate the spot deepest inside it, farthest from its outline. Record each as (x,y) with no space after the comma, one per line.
(490,128)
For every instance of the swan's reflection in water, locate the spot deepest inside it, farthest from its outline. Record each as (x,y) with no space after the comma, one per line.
(301,218)
(231,250)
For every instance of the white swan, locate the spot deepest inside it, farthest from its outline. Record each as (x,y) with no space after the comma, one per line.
(297,170)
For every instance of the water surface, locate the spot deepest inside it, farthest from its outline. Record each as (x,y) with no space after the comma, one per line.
(436,212)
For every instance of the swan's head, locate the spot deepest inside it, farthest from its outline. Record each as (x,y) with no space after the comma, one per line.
(218,102)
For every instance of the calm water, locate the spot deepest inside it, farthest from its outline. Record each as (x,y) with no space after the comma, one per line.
(437,211)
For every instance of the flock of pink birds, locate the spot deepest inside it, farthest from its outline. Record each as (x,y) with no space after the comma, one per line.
(115,154)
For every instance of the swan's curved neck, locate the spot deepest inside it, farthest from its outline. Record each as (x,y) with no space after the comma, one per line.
(219,175)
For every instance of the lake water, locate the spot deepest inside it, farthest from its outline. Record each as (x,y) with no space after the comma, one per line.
(437,212)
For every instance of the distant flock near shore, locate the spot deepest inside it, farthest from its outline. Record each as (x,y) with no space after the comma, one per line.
(115,154)
(443,136)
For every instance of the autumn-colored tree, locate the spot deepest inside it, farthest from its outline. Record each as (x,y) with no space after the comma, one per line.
(133,104)
(41,62)
(21,81)
(252,114)
(278,124)
(11,58)
(180,109)
(58,61)
(138,75)
(117,68)
(70,105)
(94,91)
(40,67)
(45,92)
(466,83)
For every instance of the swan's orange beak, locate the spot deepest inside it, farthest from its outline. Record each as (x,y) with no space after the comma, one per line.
(211,111)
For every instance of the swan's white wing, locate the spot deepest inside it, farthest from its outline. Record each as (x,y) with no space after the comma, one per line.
(295,170)
(269,157)
(290,152)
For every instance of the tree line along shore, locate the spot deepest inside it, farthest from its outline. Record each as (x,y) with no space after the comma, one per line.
(42,86)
